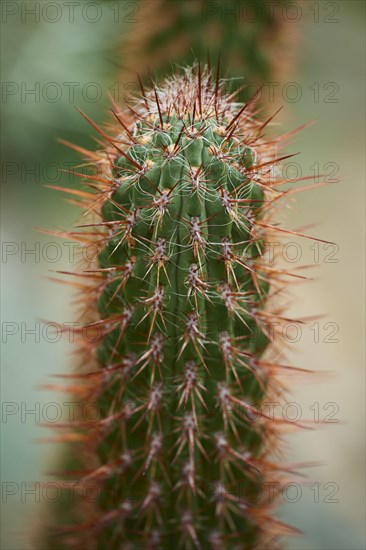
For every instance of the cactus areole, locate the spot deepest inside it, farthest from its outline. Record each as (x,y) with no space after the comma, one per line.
(179,209)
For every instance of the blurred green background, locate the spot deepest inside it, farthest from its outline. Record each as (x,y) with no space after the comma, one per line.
(75,63)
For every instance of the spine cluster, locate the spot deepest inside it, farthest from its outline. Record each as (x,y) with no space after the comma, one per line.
(180,208)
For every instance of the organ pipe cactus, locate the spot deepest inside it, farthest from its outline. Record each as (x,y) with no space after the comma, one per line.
(178,299)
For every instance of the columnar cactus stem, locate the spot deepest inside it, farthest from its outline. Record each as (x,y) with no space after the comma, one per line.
(181,451)
(256,39)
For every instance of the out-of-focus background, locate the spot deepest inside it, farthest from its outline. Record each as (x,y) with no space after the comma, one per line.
(57,57)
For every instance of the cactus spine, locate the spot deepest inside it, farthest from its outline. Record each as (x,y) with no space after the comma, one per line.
(181,210)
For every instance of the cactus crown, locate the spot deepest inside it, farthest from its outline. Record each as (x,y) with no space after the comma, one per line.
(181,214)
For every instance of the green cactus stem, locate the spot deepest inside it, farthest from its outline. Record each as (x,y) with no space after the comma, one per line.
(178,299)
(256,40)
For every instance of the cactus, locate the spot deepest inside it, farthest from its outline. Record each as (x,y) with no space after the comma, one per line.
(256,40)
(181,207)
